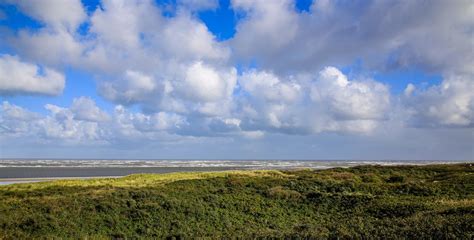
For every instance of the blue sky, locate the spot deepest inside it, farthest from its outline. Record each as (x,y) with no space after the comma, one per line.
(236,79)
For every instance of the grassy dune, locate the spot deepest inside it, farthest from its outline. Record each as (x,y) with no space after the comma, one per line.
(434,201)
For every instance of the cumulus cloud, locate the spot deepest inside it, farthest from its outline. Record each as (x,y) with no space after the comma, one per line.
(52,48)
(203,84)
(84,108)
(310,104)
(119,23)
(60,124)
(140,125)
(449,104)
(14,112)
(269,26)
(54,13)
(15,120)
(85,123)
(268,102)
(56,43)
(81,123)
(140,57)
(349,100)
(269,87)
(133,87)
(17,77)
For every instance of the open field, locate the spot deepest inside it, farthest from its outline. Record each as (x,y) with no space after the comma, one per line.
(434,201)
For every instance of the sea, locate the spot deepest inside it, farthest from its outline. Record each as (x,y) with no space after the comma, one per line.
(35,170)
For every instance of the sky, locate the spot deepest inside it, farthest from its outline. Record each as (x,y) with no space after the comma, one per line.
(237,79)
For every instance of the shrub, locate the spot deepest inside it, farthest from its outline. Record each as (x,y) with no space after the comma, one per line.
(396,179)
(280,192)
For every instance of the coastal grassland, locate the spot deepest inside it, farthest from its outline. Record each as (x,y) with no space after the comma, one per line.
(415,202)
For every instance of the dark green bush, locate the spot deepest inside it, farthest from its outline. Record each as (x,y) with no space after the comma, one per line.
(396,179)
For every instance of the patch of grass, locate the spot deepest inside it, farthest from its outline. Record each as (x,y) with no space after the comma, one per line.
(433,201)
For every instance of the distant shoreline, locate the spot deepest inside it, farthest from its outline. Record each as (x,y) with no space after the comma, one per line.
(13,175)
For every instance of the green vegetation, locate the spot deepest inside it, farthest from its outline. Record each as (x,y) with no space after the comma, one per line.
(415,202)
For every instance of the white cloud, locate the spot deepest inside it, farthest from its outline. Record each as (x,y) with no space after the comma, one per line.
(139,125)
(171,75)
(84,123)
(60,124)
(140,57)
(350,100)
(268,86)
(311,104)
(133,87)
(269,26)
(270,102)
(161,121)
(57,42)
(53,48)
(184,37)
(139,81)
(450,103)
(202,83)
(119,23)
(13,112)
(15,120)
(84,108)
(17,77)
(55,13)
(409,90)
